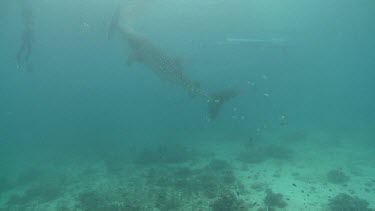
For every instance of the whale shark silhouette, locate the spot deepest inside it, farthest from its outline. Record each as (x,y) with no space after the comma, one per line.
(167,68)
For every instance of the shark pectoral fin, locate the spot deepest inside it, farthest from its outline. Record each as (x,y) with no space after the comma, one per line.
(217,100)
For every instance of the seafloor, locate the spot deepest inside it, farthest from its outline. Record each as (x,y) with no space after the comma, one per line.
(293,171)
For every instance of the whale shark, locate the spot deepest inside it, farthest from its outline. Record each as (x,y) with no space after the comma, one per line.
(167,68)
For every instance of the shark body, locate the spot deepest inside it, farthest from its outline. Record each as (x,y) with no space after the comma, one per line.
(167,68)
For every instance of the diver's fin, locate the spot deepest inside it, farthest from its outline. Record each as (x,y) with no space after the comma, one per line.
(114,24)
(217,100)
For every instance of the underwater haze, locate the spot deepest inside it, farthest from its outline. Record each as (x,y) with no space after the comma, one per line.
(167,105)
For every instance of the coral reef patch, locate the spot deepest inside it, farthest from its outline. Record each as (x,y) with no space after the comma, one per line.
(337,177)
(345,202)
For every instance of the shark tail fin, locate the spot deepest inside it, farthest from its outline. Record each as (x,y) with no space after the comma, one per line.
(216,101)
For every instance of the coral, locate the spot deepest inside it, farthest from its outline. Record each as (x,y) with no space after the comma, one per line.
(345,202)
(228,202)
(337,177)
(274,199)
(165,201)
(208,180)
(209,185)
(108,200)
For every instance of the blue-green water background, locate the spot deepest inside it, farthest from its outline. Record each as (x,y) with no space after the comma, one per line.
(82,100)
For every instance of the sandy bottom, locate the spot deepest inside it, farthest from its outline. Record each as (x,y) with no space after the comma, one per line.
(216,175)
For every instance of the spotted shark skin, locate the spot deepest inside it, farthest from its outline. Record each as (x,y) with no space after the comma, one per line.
(167,68)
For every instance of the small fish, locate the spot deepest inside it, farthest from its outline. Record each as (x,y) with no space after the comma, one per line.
(253,204)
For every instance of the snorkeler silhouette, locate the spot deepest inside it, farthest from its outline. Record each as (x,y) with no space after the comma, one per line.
(27,39)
